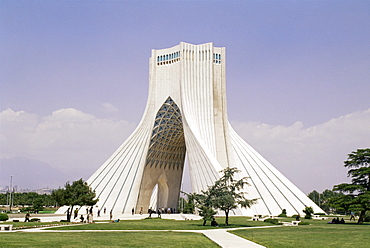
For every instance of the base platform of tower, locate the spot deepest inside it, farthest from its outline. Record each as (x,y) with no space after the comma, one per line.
(186,116)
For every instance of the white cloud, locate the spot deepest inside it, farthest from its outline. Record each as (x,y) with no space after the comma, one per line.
(78,143)
(109,107)
(312,158)
(68,139)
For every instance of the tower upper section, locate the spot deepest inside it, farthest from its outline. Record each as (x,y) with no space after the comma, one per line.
(194,77)
(187,51)
(173,70)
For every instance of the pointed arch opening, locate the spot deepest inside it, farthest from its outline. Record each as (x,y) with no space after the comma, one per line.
(165,159)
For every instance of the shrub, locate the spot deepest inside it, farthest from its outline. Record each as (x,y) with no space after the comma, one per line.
(3,217)
(283,213)
(26,209)
(308,211)
(272,221)
(319,214)
(303,223)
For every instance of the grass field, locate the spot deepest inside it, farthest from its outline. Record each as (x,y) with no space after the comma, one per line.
(106,239)
(19,225)
(317,234)
(161,224)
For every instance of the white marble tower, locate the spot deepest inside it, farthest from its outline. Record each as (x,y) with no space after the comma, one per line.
(186,115)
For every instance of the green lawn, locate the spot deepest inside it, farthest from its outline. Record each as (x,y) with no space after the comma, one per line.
(106,239)
(318,234)
(32,224)
(161,224)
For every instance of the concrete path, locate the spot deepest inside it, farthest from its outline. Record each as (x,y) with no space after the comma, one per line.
(226,239)
(229,240)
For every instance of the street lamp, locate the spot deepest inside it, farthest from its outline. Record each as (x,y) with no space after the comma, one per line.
(10,196)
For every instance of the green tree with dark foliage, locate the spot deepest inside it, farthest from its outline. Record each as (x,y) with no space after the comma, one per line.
(204,206)
(79,193)
(226,194)
(37,205)
(357,193)
(33,199)
(207,213)
(188,205)
(308,211)
(315,196)
(322,199)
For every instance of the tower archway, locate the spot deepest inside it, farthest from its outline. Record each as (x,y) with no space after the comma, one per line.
(165,159)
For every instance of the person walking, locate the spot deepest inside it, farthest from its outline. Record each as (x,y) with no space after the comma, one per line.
(352,216)
(27,217)
(75,213)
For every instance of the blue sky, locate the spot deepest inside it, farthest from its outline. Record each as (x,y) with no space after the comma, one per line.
(293,68)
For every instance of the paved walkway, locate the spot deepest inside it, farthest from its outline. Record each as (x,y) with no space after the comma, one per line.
(229,240)
(226,239)
(220,236)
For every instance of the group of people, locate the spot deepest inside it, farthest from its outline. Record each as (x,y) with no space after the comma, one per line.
(337,221)
(159,211)
(214,222)
(89,214)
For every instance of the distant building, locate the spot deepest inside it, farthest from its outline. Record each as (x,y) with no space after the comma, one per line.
(5,190)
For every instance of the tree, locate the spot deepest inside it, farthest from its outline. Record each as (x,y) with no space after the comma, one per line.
(283,213)
(226,193)
(29,198)
(308,211)
(322,199)
(315,197)
(207,213)
(78,193)
(37,205)
(358,192)
(204,206)
(188,206)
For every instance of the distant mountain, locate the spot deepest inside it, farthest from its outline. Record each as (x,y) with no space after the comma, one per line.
(30,174)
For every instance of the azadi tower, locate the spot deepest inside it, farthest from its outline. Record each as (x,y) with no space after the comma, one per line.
(186,115)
